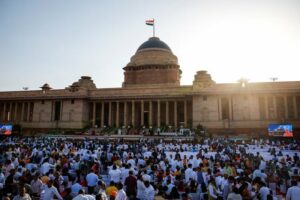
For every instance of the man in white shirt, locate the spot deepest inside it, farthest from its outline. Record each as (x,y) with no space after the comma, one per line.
(141,162)
(81,196)
(170,186)
(121,195)
(146,177)
(124,172)
(92,181)
(49,191)
(264,191)
(45,168)
(293,192)
(213,191)
(115,174)
(36,184)
(22,194)
(149,191)
(75,188)
(189,174)
(234,195)
(131,161)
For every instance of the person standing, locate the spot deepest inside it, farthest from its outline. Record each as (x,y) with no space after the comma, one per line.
(149,191)
(213,192)
(75,188)
(293,192)
(140,187)
(264,191)
(49,191)
(189,174)
(92,181)
(115,174)
(22,194)
(36,185)
(121,195)
(234,195)
(131,185)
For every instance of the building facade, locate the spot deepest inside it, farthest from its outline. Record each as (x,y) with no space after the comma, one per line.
(151,96)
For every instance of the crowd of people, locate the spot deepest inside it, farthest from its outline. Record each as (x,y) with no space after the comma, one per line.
(87,169)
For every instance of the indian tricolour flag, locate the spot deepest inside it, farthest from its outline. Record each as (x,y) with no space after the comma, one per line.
(150,22)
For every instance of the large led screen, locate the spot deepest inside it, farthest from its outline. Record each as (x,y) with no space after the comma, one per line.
(280,130)
(5,129)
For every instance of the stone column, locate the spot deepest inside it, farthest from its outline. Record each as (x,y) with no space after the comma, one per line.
(94,114)
(102,114)
(286,111)
(150,113)
(167,113)
(185,113)
(4,112)
(295,107)
(142,113)
(266,107)
(220,108)
(158,113)
(275,107)
(10,111)
(22,112)
(15,113)
(117,115)
(28,110)
(230,108)
(175,114)
(125,113)
(132,115)
(109,114)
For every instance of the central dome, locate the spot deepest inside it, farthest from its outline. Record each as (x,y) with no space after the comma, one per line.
(152,64)
(154,42)
(153,52)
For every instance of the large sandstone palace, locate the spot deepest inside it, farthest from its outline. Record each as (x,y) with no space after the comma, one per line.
(151,95)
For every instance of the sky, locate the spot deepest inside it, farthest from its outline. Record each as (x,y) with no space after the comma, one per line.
(58,41)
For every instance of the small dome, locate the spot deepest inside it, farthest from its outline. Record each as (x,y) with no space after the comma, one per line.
(154,42)
(46,86)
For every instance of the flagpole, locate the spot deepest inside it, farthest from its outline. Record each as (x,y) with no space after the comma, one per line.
(153,28)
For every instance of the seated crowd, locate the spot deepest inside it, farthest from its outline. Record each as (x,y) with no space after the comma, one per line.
(84,169)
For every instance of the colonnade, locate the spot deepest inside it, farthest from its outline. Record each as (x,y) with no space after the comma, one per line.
(16,111)
(141,113)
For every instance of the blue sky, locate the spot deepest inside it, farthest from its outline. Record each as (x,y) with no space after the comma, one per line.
(58,41)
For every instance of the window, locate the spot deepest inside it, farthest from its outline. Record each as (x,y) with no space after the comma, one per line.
(204,98)
(225,108)
(57,108)
(72,101)
(262,108)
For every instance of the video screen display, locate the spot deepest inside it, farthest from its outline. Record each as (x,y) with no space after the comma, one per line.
(280,130)
(5,129)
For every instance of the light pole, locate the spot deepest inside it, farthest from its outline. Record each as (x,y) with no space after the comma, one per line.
(273,79)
